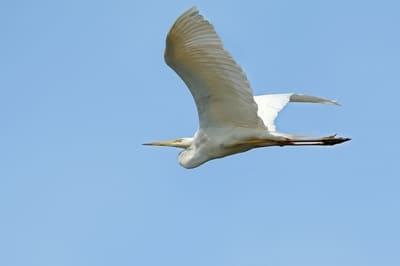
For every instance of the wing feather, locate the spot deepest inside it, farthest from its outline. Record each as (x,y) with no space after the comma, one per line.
(270,105)
(219,86)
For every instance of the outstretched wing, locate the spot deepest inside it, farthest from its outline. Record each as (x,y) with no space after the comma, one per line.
(217,83)
(270,105)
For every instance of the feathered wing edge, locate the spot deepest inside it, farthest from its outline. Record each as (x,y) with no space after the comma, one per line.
(270,105)
(217,83)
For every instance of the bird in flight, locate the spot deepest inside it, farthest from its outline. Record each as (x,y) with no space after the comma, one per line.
(231,119)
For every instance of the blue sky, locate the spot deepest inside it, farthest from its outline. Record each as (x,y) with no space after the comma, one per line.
(83,84)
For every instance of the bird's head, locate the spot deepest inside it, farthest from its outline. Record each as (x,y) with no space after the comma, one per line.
(187,157)
(182,143)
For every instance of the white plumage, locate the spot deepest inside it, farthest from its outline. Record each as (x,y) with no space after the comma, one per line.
(270,105)
(231,119)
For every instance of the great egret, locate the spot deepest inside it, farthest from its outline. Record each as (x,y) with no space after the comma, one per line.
(231,120)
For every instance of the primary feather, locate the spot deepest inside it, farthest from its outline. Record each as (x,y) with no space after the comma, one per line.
(270,105)
(217,83)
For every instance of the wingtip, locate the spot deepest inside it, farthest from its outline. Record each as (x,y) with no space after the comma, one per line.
(191,11)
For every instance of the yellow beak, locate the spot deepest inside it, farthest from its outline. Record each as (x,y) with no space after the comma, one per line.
(169,143)
(177,143)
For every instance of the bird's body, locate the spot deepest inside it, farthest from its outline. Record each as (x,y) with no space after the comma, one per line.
(231,119)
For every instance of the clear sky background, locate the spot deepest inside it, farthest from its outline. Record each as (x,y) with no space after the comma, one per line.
(84,83)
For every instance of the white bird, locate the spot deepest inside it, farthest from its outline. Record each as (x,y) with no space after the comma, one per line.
(231,119)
